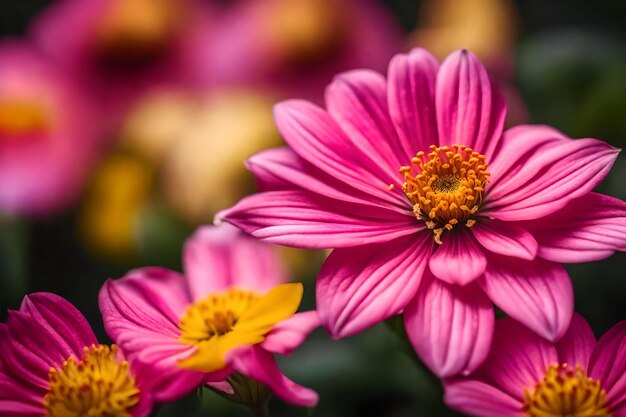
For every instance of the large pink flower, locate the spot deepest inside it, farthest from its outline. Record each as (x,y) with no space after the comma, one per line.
(525,375)
(52,365)
(431,208)
(229,313)
(48,136)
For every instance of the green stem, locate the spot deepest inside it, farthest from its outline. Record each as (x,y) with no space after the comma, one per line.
(261,410)
(14,235)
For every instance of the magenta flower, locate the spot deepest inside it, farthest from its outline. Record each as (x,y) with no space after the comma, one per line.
(228,314)
(51,365)
(431,208)
(525,375)
(121,49)
(48,139)
(296,47)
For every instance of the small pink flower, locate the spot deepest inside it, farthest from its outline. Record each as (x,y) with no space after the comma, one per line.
(525,375)
(51,364)
(431,208)
(229,313)
(48,138)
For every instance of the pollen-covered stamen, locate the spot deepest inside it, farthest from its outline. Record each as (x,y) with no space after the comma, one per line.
(446,186)
(566,392)
(216,315)
(99,385)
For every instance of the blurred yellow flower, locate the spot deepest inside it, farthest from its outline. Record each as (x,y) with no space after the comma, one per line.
(486,27)
(157,124)
(304,30)
(111,209)
(204,171)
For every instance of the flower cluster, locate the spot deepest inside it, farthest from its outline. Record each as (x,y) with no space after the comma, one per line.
(218,325)
(432,210)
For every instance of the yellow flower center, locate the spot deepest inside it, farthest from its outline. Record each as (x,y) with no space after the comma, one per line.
(224,321)
(97,386)
(21,117)
(566,392)
(446,186)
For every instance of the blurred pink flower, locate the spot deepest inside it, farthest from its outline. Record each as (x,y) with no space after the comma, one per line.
(228,314)
(476,216)
(47,137)
(297,46)
(525,375)
(51,364)
(121,49)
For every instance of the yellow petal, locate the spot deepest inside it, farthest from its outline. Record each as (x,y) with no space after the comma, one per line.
(280,303)
(211,354)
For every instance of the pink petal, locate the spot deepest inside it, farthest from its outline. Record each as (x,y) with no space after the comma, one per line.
(141,313)
(476,398)
(288,335)
(18,399)
(530,182)
(4,337)
(608,364)
(460,259)
(577,343)
(505,238)
(588,228)
(32,349)
(520,144)
(316,138)
(282,169)
(145,406)
(450,326)
(166,380)
(357,100)
(223,386)
(151,296)
(260,365)
(537,293)
(218,257)
(359,287)
(17,396)
(518,359)
(305,220)
(411,97)
(620,410)
(470,110)
(61,319)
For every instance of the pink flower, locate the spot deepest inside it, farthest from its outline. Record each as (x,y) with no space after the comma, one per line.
(121,49)
(52,365)
(295,47)
(431,208)
(48,139)
(525,375)
(228,314)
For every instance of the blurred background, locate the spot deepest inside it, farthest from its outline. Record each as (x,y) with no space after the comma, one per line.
(124,125)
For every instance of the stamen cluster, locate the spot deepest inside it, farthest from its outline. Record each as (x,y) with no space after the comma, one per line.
(216,315)
(566,392)
(97,386)
(446,186)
